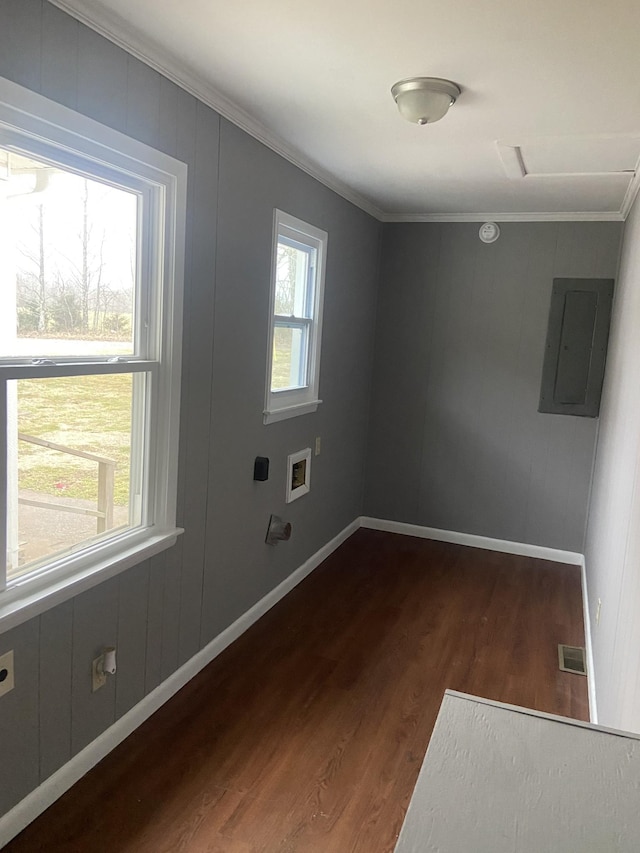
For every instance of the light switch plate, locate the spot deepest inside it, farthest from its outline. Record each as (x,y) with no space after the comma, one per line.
(6,673)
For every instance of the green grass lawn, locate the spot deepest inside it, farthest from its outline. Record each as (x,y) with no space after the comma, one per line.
(89,413)
(93,414)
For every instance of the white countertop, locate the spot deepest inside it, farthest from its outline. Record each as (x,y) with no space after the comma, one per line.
(501,779)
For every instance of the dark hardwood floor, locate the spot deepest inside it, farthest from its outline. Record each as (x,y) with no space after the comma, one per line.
(308,733)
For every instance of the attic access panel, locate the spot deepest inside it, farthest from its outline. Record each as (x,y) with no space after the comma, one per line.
(576,348)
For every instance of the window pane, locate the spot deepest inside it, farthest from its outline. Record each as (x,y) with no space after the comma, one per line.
(289,358)
(294,285)
(68,262)
(75,452)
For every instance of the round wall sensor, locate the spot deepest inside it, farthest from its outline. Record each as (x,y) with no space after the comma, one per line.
(489,232)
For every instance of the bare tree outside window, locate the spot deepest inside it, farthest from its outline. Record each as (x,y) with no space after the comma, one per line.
(80,287)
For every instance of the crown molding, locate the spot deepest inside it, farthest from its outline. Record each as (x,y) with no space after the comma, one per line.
(112,28)
(631,193)
(564,216)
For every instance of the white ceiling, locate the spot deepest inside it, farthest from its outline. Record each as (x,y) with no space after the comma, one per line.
(557,80)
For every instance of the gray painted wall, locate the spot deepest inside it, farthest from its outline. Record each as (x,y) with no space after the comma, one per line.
(612,552)
(456,441)
(161,612)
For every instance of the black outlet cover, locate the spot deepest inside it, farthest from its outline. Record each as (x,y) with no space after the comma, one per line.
(261,468)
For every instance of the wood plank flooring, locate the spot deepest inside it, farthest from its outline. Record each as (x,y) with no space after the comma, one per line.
(308,733)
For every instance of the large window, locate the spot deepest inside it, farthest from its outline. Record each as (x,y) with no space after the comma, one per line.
(297,283)
(91,257)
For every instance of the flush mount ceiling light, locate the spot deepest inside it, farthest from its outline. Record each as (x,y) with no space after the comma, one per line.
(423,100)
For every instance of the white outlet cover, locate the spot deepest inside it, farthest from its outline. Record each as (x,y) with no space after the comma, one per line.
(6,663)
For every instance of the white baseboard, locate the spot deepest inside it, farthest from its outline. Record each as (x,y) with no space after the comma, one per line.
(591,673)
(473,541)
(507,547)
(50,790)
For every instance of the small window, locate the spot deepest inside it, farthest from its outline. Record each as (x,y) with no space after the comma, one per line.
(297,284)
(92,246)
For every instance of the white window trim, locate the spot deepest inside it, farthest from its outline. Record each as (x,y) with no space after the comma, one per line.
(281,405)
(45,123)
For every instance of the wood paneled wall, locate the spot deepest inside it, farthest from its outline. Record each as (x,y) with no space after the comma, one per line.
(612,550)
(164,610)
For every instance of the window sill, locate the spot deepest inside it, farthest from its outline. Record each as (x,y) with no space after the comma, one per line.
(286,412)
(32,596)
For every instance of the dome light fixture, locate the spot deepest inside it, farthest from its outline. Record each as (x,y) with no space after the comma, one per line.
(423,100)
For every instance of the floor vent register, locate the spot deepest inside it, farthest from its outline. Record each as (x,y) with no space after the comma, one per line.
(572,659)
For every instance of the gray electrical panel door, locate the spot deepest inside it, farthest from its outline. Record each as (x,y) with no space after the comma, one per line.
(576,349)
